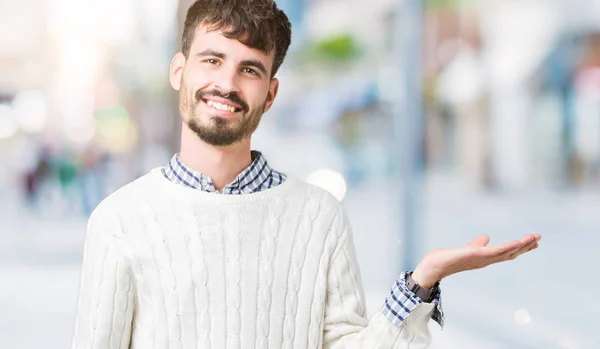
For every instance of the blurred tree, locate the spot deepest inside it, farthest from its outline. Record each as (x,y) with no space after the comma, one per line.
(333,50)
(337,48)
(447,4)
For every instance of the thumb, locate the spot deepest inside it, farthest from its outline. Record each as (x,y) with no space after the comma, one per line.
(481,240)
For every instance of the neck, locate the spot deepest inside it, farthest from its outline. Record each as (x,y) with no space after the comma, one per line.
(221,164)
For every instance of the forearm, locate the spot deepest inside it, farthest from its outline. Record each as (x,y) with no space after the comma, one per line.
(401,323)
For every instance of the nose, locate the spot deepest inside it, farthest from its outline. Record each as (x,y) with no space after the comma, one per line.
(226,81)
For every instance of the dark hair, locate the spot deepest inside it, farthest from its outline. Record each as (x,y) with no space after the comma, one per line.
(259,24)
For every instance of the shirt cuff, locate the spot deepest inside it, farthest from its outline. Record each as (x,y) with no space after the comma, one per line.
(401,302)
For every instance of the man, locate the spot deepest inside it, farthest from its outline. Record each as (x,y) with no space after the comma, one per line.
(218,250)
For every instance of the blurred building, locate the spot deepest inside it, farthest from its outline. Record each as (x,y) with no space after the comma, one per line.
(511,106)
(508,99)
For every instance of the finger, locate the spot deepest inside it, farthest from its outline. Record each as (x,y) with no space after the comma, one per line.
(507,248)
(481,240)
(514,246)
(523,251)
(511,250)
(520,251)
(528,238)
(503,252)
(535,245)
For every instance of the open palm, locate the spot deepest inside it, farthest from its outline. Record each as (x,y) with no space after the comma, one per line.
(476,255)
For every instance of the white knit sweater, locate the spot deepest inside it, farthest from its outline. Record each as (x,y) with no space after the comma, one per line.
(167,266)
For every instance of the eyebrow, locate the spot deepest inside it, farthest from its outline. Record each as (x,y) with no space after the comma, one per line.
(210,52)
(248,62)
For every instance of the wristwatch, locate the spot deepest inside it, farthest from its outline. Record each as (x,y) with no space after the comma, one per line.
(426,295)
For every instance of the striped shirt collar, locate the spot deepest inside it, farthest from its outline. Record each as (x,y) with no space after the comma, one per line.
(258,176)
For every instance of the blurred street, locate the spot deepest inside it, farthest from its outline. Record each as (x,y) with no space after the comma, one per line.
(542,300)
(487,112)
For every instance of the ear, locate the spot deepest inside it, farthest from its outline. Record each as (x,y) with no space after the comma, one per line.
(176,70)
(273,88)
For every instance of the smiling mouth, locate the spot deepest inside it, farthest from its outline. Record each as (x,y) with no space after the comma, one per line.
(221,106)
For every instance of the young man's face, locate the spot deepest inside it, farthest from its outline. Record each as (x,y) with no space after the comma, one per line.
(224,87)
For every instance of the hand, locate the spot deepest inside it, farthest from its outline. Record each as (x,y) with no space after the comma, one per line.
(441,263)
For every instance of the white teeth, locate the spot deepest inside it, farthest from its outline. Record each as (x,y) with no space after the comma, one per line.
(220,106)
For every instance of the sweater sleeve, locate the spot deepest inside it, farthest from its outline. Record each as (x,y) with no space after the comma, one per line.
(345,323)
(105,306)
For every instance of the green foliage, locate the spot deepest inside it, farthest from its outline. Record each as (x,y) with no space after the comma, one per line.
(446,4)
(342,48)
(339,48)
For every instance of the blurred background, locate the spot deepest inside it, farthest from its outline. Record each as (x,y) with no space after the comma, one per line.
(434,121)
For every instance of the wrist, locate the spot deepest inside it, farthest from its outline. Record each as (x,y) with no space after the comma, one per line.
(425,277)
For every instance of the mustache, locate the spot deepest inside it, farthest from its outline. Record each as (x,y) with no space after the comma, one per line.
(232,96)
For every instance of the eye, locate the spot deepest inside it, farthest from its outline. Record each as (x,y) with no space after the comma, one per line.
(250,71)
(211,61)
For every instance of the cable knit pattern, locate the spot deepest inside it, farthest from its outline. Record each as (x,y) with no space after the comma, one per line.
(167,266)
(301,239)
(233,277)
(199,268)
(272,223)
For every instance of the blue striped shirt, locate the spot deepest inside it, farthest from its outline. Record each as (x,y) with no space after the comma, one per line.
(400,302)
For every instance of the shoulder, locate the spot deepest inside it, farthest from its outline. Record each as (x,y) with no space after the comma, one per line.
(126,198)
(318,199)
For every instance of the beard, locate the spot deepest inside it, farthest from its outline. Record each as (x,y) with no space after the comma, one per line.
(217,130)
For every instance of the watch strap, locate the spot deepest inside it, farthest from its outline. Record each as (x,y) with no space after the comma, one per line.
(426,295)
